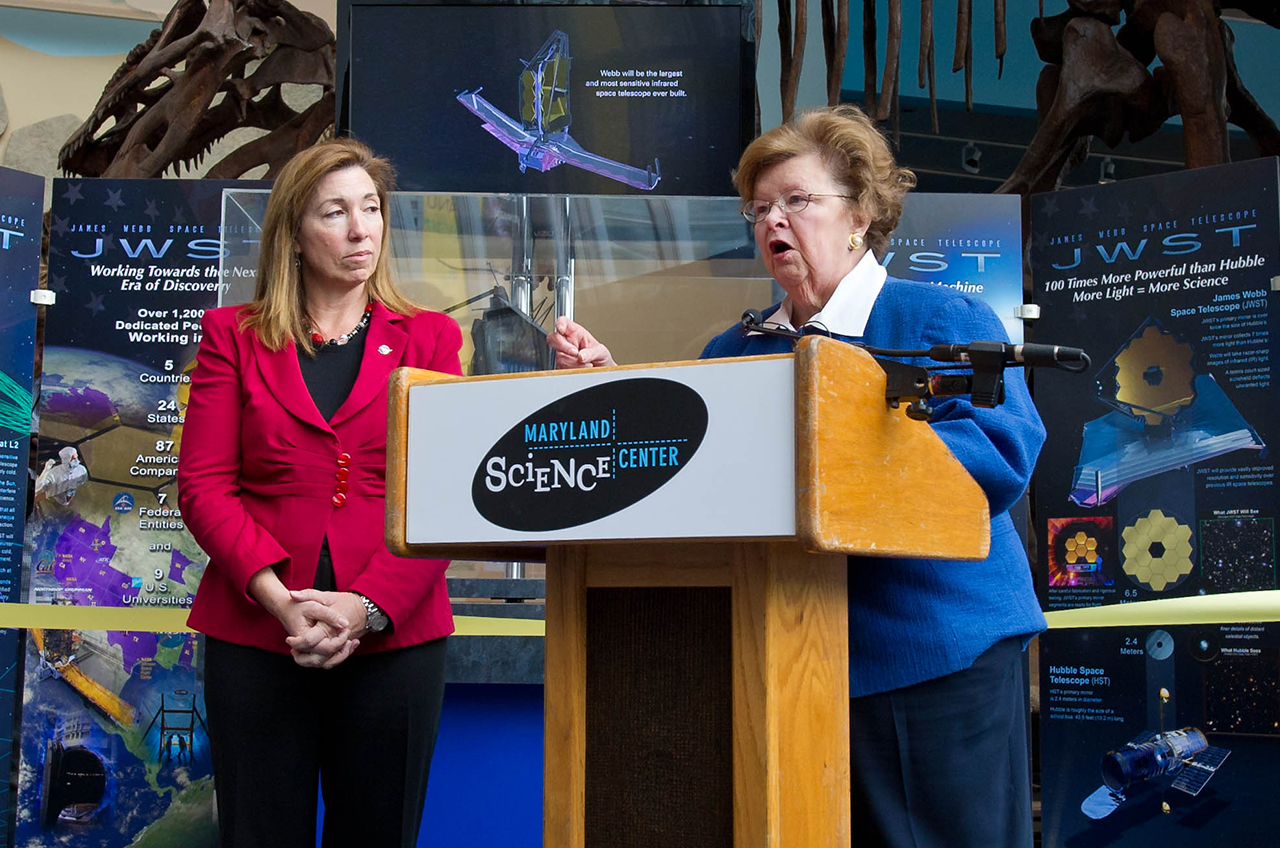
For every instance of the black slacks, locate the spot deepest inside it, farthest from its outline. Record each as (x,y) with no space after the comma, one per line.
(364,730)
(945,763)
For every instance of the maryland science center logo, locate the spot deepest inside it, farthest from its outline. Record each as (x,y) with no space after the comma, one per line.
(590,454)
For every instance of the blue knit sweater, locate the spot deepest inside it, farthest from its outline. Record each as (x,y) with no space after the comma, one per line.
(912,620)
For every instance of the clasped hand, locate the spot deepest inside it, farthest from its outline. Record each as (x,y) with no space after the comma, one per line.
(322,626)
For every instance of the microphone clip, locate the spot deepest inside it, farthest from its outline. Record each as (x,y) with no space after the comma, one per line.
(988,361)
(753,322)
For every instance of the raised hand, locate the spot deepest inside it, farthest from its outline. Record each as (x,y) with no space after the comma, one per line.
(575,347)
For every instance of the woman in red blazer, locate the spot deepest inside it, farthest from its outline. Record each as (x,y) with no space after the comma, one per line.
(324,660)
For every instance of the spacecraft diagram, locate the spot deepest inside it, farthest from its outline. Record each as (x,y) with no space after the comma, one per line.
(1165,415)
(540,138)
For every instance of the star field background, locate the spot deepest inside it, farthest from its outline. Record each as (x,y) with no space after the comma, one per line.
(1242,693)
(1238,554)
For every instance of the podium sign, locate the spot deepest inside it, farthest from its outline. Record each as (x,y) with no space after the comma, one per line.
(604,455)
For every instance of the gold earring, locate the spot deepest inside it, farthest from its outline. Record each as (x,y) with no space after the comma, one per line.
(855,241)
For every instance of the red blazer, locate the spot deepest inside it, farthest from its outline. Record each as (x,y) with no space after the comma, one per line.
(258,480)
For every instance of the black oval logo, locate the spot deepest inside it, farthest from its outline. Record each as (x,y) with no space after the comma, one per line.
(590,454)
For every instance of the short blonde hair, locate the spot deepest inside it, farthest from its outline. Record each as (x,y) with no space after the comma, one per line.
(856,155)
(278,311)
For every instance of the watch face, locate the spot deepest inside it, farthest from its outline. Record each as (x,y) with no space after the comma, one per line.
(375,619)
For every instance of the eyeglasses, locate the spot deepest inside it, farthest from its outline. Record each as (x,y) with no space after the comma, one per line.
(756,211)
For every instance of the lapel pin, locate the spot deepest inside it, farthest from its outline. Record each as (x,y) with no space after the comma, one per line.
(383,349)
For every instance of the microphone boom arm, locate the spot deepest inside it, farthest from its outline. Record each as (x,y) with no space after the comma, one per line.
(986,361)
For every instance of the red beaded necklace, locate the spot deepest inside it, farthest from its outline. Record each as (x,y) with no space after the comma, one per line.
(350,334)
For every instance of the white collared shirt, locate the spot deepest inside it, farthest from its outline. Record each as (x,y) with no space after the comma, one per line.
(847,311)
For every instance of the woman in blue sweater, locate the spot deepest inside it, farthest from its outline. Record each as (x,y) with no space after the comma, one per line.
(938,696)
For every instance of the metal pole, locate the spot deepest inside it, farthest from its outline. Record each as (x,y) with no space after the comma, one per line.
(521,293)
(564,263)
(522,258)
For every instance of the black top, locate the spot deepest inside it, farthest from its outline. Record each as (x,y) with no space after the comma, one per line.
(330,375)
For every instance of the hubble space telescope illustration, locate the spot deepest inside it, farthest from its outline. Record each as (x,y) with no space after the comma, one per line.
(541,137)
(1185,755)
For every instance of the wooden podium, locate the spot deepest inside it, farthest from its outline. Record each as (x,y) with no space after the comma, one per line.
(751,598)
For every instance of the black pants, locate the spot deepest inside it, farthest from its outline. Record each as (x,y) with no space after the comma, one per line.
(364,730)
(945,763)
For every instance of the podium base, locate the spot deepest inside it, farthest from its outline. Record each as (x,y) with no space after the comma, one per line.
(696,694)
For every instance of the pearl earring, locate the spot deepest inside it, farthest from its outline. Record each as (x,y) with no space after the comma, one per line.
(855,241)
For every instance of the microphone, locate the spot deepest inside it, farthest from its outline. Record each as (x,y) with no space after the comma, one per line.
(1037,355)
(753,322)
(1031,355)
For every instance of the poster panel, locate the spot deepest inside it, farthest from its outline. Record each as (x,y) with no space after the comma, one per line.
(136,264)
(113,741)
(1156,481)
(21,196)
(1157,478)
(1159,735)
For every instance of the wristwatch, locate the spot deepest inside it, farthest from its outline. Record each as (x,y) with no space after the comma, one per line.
(375,620)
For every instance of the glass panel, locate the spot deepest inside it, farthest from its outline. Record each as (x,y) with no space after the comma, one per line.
(240,232)
(654,278)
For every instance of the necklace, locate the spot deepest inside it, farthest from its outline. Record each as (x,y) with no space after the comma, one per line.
(350,334)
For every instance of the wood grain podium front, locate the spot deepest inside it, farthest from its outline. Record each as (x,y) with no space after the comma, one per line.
(689,500)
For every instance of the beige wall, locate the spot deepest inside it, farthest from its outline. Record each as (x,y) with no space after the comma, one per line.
(38,86)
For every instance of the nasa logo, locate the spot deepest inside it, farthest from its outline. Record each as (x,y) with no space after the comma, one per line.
(590,454)
(122,502)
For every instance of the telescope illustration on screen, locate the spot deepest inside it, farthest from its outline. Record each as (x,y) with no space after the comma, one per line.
(541,137)
(1185,755)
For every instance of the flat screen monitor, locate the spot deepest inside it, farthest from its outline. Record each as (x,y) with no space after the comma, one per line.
(554,99)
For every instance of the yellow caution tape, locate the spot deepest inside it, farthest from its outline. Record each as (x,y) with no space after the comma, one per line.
(481,625)
(69,617)
(1226,608)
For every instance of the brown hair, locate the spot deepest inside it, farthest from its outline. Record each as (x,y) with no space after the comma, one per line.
(278,311)
(855,153)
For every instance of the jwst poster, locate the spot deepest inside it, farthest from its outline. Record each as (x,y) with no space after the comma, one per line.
(1157,480)
(114,748)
